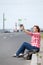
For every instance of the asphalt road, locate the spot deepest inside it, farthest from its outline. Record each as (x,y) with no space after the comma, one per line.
(9,43)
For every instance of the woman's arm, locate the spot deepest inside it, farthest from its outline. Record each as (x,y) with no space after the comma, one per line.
(27,32)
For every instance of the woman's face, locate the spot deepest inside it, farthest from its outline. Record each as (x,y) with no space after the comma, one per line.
(35,29)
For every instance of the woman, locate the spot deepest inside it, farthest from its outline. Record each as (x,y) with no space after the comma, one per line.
(35,41)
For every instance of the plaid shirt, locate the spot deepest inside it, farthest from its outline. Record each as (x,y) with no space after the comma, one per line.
(35,41)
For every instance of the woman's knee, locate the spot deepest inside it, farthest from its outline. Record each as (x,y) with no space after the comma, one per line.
(24,43)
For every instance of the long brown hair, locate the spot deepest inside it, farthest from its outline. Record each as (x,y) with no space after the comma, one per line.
(37,27)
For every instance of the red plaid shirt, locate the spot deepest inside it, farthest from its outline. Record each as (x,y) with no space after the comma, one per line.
(35,41)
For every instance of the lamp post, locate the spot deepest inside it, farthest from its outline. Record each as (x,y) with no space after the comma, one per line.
(3,21)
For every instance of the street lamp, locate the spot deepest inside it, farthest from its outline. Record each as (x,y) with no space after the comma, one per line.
(4,21)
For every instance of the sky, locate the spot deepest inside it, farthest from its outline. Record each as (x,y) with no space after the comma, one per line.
(30,11)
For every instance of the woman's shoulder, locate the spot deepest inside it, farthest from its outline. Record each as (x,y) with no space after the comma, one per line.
(38,33)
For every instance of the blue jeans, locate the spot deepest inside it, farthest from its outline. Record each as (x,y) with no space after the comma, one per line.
(24,46)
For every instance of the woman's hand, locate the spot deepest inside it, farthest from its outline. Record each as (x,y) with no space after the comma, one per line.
(21,27)
(24,30)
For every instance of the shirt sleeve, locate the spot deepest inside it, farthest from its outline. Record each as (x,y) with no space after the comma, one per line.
(30,33)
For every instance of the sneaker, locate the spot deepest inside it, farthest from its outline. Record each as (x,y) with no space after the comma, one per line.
(14,55)
(21,55)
